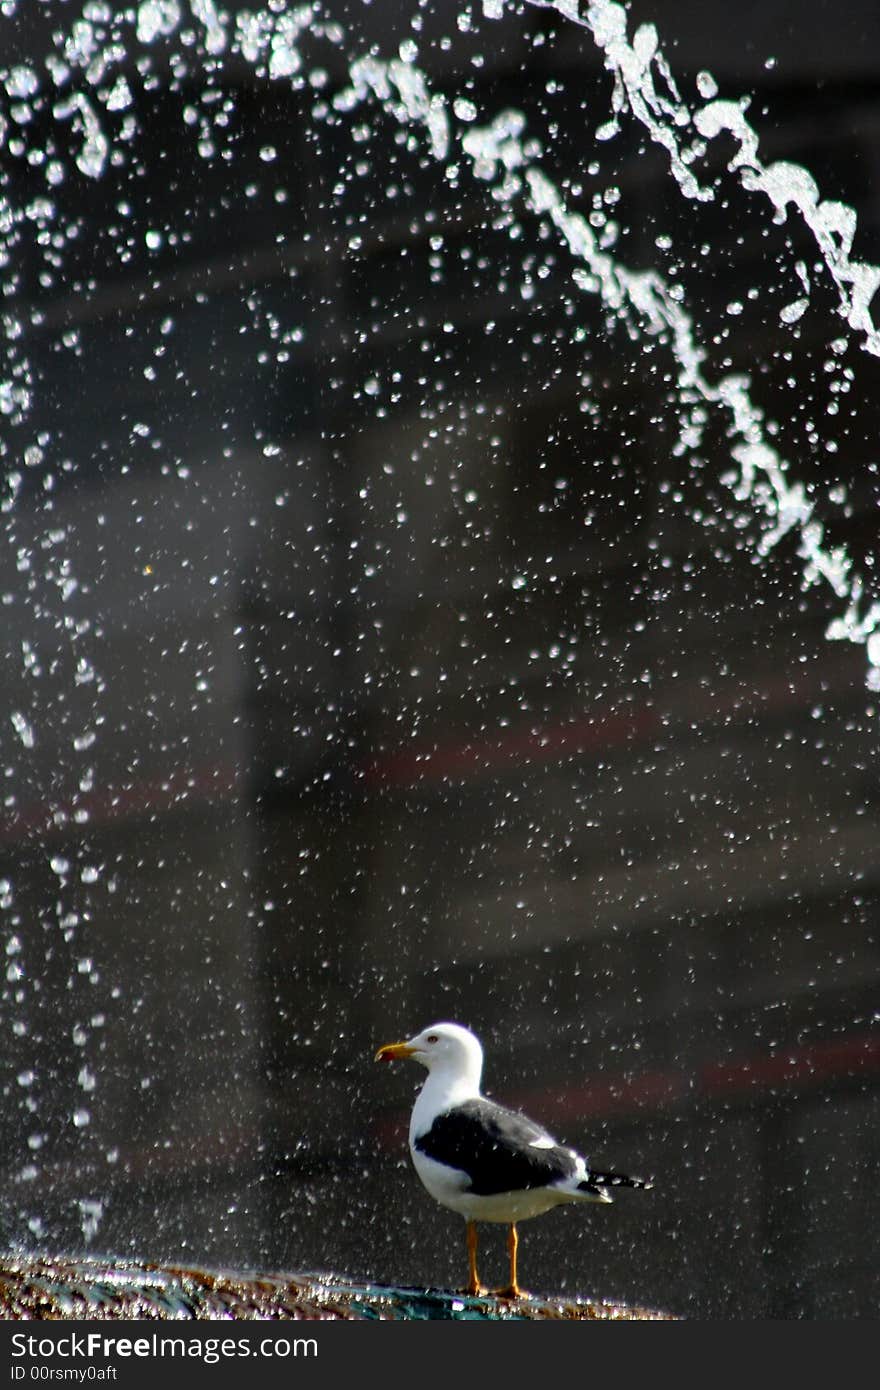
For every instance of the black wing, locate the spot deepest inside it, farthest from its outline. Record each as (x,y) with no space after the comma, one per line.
(495,1147)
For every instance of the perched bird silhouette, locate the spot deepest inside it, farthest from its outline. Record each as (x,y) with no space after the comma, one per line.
(482,1160)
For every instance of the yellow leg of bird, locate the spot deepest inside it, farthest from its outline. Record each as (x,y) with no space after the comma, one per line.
(474,1286)
(513,1290)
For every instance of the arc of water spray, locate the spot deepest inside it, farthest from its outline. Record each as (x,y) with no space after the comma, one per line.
(762,478)
(500,155)
(643,84)
(833,227)
(633,63)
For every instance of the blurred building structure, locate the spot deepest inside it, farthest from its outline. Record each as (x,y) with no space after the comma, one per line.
(426,681)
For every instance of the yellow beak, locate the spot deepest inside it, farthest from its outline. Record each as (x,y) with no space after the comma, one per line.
(392,1051)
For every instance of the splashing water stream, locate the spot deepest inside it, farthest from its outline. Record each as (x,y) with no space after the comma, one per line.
(504,155)
(85,83)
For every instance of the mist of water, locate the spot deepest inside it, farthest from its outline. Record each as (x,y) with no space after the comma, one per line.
(84,83)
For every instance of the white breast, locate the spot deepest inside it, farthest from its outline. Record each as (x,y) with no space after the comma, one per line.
(446,1185)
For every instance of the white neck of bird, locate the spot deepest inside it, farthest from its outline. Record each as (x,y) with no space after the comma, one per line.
(441,1091)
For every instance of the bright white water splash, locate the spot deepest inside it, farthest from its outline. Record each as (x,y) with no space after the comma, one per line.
(644,85)
(86,84)
(276,42)
(91,1210)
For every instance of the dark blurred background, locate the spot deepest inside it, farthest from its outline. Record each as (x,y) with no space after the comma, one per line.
(371,659)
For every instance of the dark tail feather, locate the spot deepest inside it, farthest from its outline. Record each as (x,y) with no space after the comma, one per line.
(599,1183)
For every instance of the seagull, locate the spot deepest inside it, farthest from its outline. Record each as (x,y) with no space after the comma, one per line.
(482,1160)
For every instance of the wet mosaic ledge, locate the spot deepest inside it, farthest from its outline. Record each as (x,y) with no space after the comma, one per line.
(79,1288)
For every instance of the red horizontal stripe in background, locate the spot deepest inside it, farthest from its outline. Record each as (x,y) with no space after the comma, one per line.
(792,1068)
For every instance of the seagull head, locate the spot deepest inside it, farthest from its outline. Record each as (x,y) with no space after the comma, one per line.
(444,1047)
